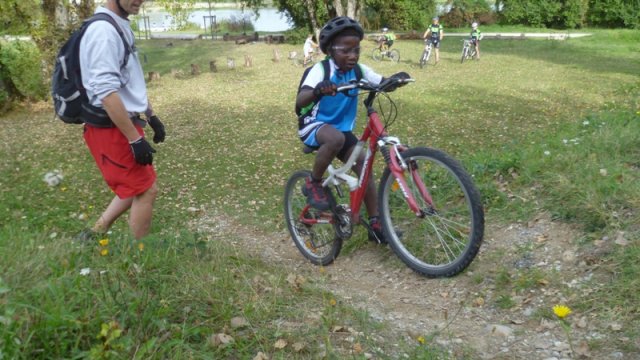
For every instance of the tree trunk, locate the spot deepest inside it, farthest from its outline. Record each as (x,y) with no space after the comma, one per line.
(311,12)
(337,5)
(353,9)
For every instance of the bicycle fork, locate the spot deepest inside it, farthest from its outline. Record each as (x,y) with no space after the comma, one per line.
(391,150)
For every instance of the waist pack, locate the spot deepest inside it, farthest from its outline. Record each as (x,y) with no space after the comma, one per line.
(69,95)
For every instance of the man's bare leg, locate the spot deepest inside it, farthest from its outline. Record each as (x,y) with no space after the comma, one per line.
(116,208)
(141,212)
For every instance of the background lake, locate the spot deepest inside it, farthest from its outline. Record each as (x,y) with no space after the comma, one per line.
(270,19)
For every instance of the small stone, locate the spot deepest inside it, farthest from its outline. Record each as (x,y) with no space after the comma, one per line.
(568,256)
(499,330)
(582,322)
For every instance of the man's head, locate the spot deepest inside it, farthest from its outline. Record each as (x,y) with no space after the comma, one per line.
(124,8)
(435,20)
(384,30)
(474,25)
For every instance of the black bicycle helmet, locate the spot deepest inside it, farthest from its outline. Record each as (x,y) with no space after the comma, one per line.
(335,26)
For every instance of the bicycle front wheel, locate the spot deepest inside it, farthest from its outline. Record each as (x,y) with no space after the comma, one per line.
(464,54)
(394,55)
(424,59)
(376,54)
(312,230)
(447,238)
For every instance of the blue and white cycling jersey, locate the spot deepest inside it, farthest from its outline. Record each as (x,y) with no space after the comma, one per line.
(339,110)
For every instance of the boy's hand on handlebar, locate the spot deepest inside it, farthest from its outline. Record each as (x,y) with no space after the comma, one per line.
(325,87)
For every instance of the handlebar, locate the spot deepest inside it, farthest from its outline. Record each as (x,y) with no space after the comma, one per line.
(366,85)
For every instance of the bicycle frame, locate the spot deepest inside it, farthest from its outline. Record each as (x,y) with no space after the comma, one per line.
(375,135)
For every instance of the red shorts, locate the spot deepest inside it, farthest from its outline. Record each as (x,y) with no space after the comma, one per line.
(112,153)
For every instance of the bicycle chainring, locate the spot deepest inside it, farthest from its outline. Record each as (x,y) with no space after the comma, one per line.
(342,224)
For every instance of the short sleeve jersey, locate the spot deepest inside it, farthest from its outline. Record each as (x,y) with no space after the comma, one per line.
(476,34)
(339,110)
(435,30)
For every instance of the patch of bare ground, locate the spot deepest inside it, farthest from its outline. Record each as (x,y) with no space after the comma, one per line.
(500,308)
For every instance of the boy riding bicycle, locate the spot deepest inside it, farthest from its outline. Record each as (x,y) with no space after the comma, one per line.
(476,36)
(434,34)
(327,118)
(386,40)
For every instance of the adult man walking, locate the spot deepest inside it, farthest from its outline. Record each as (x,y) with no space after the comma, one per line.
(115,86)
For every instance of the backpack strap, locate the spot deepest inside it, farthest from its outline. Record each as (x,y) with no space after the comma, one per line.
(358,70)
(108,18)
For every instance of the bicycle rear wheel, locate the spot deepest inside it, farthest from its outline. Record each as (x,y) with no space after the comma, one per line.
(319,241)
(394,55)
(447,239)
(376,54)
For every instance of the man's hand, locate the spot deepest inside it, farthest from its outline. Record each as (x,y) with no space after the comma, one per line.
(142,151)
(158,129)
(324,87)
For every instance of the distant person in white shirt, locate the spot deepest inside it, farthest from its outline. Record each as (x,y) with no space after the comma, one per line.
(309,49)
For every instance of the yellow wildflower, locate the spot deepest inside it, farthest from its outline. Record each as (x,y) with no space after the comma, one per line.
(561,311)
(333,302)
(141,246)
(421,339)
(103,242)
(104,252)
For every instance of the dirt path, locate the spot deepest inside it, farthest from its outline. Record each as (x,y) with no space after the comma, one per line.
(479,312)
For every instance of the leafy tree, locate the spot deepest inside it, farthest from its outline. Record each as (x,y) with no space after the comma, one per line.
(179,10)
(614,13)
(17,16)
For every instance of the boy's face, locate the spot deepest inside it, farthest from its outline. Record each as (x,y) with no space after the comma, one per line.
(346,52)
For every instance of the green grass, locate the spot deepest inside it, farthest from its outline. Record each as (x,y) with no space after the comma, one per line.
(230,147)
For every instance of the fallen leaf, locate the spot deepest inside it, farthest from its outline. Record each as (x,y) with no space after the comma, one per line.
(296,281)
(280,344)
(357,348)
(298,347)
(478,302)
(338,328)
(620,240)
(261,356)
(239,322)
(220,340)
(615,326)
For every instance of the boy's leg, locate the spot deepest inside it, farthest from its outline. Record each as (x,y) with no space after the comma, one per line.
(141,212)
(331,141)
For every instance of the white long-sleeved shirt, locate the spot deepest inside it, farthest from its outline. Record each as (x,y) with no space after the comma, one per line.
(101,58)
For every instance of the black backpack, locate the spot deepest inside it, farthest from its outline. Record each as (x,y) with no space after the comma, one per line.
(327,73)
(69,95)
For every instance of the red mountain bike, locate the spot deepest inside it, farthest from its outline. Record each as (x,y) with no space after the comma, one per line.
(431,211)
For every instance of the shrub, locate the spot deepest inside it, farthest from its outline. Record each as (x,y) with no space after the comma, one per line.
(20,71)
(614,13)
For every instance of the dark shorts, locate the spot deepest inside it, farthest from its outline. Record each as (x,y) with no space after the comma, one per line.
(350,140)
(112,153)
(435,42)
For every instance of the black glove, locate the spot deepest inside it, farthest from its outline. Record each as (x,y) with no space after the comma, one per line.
(391,83)
(142,151)
(158,129)
(402,76)
(324,87)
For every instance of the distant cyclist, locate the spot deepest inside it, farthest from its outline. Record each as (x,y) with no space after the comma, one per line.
(476,36)
(434,34)
(387,39)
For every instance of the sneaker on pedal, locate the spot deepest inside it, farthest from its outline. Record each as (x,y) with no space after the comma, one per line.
(375,233)
(316,194)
